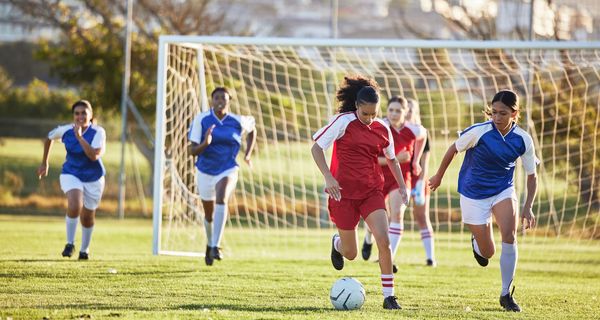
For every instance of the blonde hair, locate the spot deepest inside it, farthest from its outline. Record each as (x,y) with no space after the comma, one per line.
(415,117)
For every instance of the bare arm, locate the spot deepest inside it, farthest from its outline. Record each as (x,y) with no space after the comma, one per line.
(527,214)
(397,172)
(250,142)
(402,156)
(195,149)
(416,160)
(424,165)
(42,170)
(436,180)
(332,187)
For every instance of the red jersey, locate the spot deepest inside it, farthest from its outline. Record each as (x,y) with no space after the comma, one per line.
(356,147)
(404,140)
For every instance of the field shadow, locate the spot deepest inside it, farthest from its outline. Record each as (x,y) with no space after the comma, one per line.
(220,306)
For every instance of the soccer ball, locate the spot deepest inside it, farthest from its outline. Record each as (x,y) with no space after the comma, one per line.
(347,294)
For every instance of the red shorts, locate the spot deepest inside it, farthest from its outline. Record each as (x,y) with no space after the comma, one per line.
(390,185)
(347,212)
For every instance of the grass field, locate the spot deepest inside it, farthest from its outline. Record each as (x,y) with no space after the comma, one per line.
(277,277)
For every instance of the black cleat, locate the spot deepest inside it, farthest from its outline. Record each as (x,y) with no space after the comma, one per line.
(431,263)
(337,260)
(68,251)
(83,256)
(394,268)
(208,259)
(481,260)
(508,302)
(391,302)
(215,253)
(366,250)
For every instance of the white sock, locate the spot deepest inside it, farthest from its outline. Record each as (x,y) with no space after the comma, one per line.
(387,284)
(86,238)
(219,219)
(336,243)
(208,228)
(395,234)
(368,236)
(427,239)
(71,228)
(508,265)
(476,247)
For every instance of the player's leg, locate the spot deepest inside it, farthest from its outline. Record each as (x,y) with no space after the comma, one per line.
(506,215)
(223,189)
(206,191)
(477,215)
(367,245)
(73,189)
(421,213)
(92,194)
(396,227)
(378,224)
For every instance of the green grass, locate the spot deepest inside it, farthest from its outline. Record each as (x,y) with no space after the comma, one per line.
(276,275)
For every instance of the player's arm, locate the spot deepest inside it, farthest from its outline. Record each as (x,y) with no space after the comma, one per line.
(332,187)
(527,214)
(92,153)
(397,173)
(250,142)
(42,170)
(195,149)
(416,160)
(436,179)
(402,156)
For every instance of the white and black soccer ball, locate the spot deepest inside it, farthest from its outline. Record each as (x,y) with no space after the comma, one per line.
(347,294)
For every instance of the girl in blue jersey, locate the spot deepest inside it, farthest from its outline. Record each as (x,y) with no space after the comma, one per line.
(216,137)
(82,176)
(486,187)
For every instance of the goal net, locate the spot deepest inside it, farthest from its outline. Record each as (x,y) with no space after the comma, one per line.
(289,86)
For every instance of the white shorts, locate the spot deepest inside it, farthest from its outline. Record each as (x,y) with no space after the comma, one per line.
(207,183)
(479,211)
(92,191)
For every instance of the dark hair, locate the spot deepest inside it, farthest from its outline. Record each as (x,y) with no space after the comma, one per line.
(509,98)
(355,90)
(400,99)
(220,89)
(83,103)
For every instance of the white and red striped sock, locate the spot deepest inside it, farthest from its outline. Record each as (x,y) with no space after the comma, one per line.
(387,285)
(427,239)
(395,234)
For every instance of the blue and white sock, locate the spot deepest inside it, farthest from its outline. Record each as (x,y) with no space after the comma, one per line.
(219,219)
(86,238)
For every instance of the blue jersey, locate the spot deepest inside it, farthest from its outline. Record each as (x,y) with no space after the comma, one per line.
(489,164)
(77,163)
(226,140)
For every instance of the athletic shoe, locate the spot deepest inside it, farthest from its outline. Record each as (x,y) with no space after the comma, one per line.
(394,268)
(481,260)
(208,259)
(68,251)
(391,302)
(431,263)
(508,302)
(83,256)
(366,250)
(215,253)
(337,260)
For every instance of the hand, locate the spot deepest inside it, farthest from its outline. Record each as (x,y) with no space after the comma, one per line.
(248,161)
(404,195)
(42,171)
(332,187)
(528,218)
(77,129)
(208,135)
(416,169)
(403,156)
(434,182)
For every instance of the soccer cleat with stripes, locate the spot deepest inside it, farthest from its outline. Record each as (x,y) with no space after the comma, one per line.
(366,250)
(481,260)
(391,302)
(508,302)
(215,253)
(337,260)
(68,251)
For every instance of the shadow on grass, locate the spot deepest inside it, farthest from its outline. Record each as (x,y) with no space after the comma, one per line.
(218,306)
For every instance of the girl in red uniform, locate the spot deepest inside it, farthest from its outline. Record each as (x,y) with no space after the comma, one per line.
(355,182)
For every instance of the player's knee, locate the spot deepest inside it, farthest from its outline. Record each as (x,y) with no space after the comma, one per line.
(488,252)
(509,237)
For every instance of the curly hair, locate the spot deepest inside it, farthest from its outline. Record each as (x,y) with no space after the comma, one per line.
(356,89)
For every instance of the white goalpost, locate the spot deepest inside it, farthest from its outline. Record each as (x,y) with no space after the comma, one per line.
(289,85)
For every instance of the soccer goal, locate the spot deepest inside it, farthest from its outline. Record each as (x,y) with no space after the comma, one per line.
(289,85)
